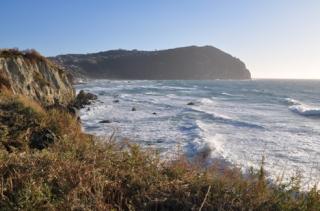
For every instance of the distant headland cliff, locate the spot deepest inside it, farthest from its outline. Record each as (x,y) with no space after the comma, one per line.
(189,63)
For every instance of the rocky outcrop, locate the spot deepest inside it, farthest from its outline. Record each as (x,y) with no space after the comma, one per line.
(190,63)
(32,75)
(83,99)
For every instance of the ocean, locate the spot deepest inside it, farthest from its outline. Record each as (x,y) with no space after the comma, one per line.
(240,122)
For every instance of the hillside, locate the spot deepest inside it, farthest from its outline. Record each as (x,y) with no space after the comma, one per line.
(189,63)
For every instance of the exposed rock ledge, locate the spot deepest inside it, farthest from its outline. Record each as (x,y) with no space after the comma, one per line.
(30,74)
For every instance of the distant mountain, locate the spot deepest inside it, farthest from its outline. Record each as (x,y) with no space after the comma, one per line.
(190,63)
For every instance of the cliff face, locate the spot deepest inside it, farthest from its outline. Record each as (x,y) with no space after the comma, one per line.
(32,75)
(193,63)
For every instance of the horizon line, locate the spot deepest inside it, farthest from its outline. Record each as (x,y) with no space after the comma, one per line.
(261,78)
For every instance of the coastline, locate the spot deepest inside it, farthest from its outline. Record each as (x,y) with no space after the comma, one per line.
(192,128)
(47,162)
(75,170)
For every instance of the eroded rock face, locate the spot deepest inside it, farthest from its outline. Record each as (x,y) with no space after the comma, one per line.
(32,75)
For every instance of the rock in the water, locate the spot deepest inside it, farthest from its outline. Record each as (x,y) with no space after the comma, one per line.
(116,101)
(191,103)
(133,109)
(84,99)
(42,139)
(154,113)
(105,121)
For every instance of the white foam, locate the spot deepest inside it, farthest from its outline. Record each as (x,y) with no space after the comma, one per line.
(229,95)
(305,110)
(240,131)
(208,106)
(292,101)
(207,101)
(302,108)
(212,141)
(172,96)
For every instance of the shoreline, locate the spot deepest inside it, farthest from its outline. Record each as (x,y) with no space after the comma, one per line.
(120,114)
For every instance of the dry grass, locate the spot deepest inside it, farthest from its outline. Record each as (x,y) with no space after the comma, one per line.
(10,52)
(26,102)
(4,82)
(30,54)
(80,173)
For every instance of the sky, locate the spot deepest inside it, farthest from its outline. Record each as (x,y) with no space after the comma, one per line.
(275,38)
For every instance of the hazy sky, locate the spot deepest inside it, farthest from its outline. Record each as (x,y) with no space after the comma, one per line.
(275,38)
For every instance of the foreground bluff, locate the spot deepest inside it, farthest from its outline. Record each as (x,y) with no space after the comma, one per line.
(191,63)
(32,75)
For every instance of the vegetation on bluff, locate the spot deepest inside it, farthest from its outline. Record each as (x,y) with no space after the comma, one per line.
(30,74)
(78,172)
(31,54)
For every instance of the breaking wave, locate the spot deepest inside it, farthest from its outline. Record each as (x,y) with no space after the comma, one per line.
(212,142)
(303,109)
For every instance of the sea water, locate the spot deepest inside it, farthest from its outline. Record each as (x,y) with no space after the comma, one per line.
(240,122)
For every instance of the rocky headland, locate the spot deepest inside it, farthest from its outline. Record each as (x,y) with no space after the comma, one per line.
(186,63)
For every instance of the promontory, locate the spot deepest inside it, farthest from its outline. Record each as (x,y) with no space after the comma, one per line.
(185,63)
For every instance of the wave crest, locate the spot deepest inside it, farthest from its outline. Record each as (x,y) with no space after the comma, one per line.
(207,108)
(212,143)
(305,110)
(302,109)
(291,101)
